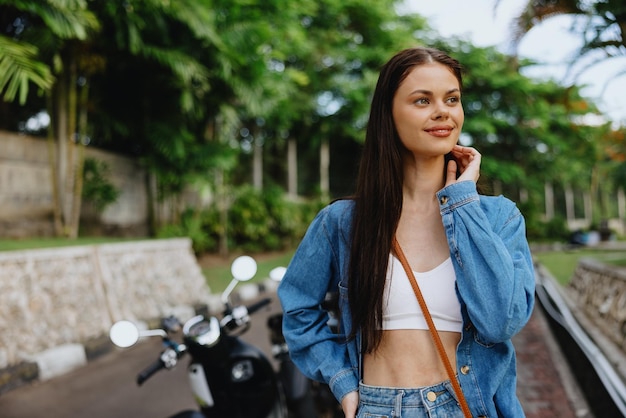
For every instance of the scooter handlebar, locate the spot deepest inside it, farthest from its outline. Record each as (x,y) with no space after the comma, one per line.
(258,305)
(146,373)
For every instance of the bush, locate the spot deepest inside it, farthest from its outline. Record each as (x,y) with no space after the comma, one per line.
(266,220)
(97,189)
(257,221)
(192,224)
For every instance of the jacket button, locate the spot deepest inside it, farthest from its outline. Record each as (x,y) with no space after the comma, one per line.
(465,369)
(443,200)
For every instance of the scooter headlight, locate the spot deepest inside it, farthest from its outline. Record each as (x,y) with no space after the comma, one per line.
(242,371)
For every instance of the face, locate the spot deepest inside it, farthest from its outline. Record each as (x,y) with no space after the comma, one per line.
(427,110)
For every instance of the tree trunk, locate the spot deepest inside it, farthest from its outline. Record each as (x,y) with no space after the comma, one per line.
(80,162)
(60,163)
(66,168)
(325,168)
(569,203)
(292,168)
(54,172)
(222,207)
(257,165)
(72,168)
(549,194)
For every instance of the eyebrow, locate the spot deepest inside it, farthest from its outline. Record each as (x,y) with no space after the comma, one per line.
(430,93)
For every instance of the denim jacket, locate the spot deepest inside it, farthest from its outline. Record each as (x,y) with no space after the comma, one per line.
(495,287)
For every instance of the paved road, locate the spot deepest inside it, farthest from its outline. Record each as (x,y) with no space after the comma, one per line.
(105,388)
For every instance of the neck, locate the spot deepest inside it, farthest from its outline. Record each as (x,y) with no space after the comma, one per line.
(423,179)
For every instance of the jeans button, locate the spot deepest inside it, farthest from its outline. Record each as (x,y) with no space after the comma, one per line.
(431,396)
(465,369)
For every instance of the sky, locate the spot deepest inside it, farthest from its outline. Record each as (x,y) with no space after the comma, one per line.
(550,43)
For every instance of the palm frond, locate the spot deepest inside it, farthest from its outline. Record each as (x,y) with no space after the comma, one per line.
(196,15)
(67,19)
(19,67)
(193,76)
(536,11)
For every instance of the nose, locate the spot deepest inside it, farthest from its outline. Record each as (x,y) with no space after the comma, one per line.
(440,112)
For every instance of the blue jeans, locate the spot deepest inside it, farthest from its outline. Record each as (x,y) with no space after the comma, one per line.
(436,401)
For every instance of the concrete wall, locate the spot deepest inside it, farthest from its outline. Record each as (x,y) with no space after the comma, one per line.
(53,299)
(26,203)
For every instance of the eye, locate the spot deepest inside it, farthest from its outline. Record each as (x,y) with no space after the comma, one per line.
(421,101)
(453,100)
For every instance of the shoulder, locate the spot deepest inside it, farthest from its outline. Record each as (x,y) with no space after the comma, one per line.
(338,211)
(336,217)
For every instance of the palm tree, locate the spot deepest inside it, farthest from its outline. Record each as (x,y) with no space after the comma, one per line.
(601,24)
(67,56)
(58,28)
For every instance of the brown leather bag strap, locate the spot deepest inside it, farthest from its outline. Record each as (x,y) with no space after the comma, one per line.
(433,331)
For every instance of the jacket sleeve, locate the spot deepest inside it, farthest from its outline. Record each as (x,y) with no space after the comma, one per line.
(495,276)
(318,352)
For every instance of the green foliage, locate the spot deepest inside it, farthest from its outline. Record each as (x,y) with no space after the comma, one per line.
(193,224)
(265,220)
(24,56)
(97,189)
(257,222)
(189,87)
(19,68)
(554,230)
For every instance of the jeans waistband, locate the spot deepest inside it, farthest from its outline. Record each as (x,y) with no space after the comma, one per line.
(426,396)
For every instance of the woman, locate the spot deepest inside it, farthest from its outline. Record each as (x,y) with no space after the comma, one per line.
(468,251)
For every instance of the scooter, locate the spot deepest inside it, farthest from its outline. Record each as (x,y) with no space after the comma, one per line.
(229,377)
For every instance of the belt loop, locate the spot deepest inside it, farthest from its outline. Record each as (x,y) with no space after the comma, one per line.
(397,411)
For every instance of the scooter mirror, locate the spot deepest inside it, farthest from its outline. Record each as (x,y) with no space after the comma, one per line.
(277,273)
(243,268)
(124,334)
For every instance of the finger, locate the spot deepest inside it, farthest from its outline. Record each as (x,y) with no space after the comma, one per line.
(451,172)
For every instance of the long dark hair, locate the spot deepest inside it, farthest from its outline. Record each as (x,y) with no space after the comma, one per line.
(378,199)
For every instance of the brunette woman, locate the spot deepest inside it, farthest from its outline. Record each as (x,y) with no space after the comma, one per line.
(416,199)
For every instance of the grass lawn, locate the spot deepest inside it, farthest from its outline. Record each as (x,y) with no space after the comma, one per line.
(561,264)
(35,243)
(219,276)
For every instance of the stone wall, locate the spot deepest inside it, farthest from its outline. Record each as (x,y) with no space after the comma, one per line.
(62,297)
(600,290)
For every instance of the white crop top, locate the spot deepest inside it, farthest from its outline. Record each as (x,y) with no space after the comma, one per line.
(401,309)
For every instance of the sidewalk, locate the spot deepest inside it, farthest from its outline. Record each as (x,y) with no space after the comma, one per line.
(545,386)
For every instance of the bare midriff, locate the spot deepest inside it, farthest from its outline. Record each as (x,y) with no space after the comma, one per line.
(408,358)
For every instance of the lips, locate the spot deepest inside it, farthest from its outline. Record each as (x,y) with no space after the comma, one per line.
(440,131)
